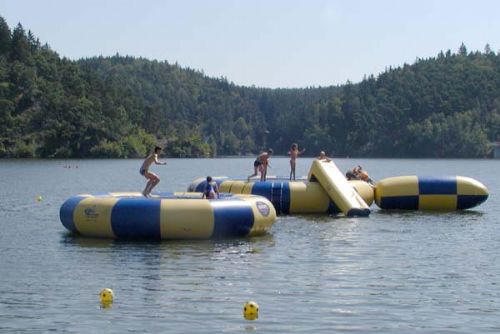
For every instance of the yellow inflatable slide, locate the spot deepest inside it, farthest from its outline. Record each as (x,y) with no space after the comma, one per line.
(343,194)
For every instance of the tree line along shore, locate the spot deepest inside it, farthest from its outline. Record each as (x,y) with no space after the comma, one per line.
(446,106)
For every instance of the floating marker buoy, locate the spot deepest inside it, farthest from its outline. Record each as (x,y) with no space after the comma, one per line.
(106,295)
(251,310)
(39,198)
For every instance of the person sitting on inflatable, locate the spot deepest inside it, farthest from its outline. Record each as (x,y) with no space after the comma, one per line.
(357,173)
(322,156)
(211,189)
(353,174)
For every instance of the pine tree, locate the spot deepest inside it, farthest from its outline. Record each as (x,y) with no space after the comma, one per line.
(487,49)
(5,37)
(20,45)
(462,50)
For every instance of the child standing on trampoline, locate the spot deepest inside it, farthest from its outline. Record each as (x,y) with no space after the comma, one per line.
(153,179)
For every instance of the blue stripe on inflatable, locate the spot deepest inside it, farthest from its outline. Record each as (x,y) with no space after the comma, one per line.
(136,218)
(285,198)
(200,187)
(67,210)
(469,201)
(437,185)
(234,220)
(399,202)
(276,195)
(262,188)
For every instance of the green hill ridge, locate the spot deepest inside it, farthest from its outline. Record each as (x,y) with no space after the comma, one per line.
(120,107)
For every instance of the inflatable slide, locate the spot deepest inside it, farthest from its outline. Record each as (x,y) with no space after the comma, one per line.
(343,194)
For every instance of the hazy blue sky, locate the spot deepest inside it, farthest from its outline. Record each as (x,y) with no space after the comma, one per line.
(267,43)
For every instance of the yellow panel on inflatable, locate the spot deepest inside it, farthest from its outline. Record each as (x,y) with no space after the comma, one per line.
(338,188)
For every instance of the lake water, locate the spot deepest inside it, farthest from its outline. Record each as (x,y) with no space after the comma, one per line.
(389,273)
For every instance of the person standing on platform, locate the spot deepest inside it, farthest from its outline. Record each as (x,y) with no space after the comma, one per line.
(261,164)
(294,153)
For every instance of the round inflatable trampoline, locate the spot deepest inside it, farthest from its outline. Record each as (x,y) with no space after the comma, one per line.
(167,216)
(287,197)
(445,193)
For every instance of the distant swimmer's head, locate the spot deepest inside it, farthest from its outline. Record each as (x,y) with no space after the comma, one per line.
(270,151)
(157,149)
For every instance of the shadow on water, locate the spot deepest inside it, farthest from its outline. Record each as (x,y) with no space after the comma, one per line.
(430,217)
(211,245)
(412,213)
(328,218)
(323,218)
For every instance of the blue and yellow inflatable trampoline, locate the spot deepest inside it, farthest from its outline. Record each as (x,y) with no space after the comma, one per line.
(287,197)
(167,216)
(445,193)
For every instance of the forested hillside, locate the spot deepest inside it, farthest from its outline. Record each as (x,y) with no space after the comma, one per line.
(50,106)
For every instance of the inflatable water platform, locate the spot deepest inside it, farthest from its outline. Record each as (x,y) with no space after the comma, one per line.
(446,193)
(287,197)
(326,190)
(167,216)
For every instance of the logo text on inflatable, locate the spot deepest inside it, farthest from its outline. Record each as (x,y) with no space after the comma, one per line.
(90,213)
(263,208)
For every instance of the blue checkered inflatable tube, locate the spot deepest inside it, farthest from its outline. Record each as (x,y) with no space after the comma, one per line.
(287,197)
(445,193)
(167,216)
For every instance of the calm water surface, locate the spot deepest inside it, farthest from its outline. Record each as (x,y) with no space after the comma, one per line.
(389,273)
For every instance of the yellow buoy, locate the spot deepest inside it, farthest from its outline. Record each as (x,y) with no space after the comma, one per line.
(251,310)
(106,295)
(39,198)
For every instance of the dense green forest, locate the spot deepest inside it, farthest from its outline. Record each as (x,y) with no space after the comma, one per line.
(50,106)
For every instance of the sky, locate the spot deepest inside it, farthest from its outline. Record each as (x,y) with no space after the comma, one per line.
(263,43)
